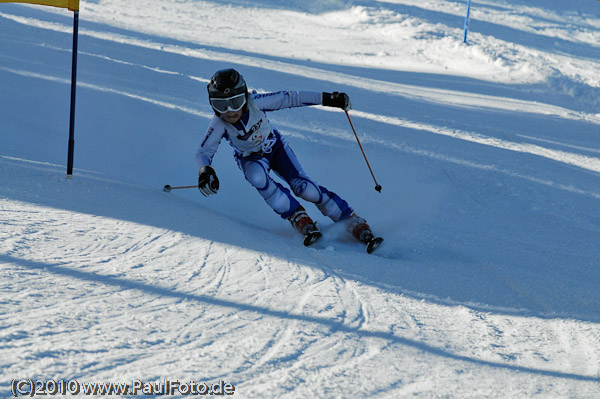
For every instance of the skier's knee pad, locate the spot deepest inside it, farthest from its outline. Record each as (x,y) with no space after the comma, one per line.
(306,189)
(257,175)
(279,199)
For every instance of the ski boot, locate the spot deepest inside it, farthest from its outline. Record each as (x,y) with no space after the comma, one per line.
(360,230)
(305,226)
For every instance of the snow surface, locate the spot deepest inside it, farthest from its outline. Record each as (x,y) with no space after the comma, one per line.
(488,154)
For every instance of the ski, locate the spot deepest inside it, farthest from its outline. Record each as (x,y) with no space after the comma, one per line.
(373,243)
(311,238)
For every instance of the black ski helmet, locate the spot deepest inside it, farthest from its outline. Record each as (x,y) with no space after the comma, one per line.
(226,83)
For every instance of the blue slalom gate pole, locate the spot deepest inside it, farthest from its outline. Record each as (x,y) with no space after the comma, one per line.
(71,148)
(467,20)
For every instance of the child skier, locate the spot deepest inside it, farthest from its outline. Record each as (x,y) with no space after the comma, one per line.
(259,148)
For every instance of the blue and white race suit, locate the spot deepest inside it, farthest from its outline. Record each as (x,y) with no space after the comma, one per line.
(259,148)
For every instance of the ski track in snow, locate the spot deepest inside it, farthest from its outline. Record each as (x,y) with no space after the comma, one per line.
(278,356)
(147,262)
(106,280)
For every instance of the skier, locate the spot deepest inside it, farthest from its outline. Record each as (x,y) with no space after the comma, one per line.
(259,148)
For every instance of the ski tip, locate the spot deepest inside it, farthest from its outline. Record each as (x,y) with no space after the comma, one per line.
(373,244)
(311,238)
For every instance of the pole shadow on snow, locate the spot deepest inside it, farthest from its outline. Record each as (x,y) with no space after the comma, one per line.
(334,326)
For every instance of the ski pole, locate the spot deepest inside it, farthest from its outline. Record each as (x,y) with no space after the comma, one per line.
(377,186)
(168,188)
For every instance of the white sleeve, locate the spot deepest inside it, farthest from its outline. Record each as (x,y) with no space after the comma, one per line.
(210,144)
(286,99)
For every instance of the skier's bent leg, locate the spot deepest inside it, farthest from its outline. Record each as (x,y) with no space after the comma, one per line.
(275,195)
(286,165)
(278,197)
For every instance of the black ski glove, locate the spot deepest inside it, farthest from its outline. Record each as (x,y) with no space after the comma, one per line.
(208,183)
(335,99)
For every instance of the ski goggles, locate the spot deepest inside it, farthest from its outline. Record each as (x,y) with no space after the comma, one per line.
(223,105)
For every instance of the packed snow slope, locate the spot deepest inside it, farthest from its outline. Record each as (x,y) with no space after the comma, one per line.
(488,154)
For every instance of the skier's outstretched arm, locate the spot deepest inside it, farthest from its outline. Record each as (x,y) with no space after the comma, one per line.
(290,99)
